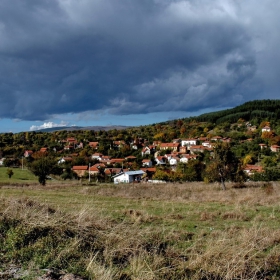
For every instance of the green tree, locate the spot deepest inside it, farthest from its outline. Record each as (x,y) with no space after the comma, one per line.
(269,161)
(161,175)
(8,162)
(68,174)
(80,160)
(224,166)
(269,174)
(193,170)
(42,167)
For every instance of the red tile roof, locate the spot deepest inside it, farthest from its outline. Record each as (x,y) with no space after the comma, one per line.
(94,168)
(71,139)
(93,144)
(115,160)
(255,168)
(169,145)
(80,167)
(149,169)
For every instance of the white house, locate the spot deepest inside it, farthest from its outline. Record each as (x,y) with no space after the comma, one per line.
(186,157)
(188,142)
(168,156)
(128,176)
(64,159)
(146,151)
(173,161)
(171,146)
(275,148)
(266,128)
(160,160)
(207,144)
(147,163)
(97,156)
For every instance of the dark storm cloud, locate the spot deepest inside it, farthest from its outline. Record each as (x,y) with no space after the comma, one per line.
(127,57)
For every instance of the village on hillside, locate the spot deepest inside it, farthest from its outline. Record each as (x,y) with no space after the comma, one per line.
(127,156)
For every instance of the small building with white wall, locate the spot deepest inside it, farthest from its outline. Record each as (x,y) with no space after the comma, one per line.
(128,176)
(189,142)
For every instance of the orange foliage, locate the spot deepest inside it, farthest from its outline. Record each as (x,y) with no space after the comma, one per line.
(38,155)
(264,123)
(267,135)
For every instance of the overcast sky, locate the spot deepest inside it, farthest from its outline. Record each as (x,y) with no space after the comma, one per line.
(132,62)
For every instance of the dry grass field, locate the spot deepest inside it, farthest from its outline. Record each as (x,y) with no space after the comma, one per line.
(142,231)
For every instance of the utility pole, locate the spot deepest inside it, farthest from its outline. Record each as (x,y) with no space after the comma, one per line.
(89,172)
(21,163)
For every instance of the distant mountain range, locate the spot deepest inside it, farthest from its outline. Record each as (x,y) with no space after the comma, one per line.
(72,128)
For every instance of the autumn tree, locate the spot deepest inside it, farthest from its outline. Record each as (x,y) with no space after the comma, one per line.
(224,166)
(268,135)
(264,123)
(161,175)
(247,159)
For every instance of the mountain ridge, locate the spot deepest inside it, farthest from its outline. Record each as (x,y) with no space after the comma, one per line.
(74,128)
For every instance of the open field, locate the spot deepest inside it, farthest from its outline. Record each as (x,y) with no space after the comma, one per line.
(143,231)
(23,176)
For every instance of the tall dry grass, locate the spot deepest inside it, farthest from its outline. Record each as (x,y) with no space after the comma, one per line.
(252,253)
(253,193)
(140,245)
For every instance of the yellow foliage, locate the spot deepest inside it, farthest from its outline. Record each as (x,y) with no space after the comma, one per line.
(247,159)
(159,136)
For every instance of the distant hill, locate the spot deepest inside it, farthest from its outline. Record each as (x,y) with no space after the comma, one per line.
(258,109)
(73,128)
(51,129)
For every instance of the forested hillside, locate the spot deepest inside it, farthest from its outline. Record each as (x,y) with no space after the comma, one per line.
(253,111)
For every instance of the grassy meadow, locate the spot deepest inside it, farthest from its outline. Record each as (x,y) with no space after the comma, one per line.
(142,231)
(22,176)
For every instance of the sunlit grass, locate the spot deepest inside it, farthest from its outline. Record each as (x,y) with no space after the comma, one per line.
(172,229)
(23,176)
(181,214)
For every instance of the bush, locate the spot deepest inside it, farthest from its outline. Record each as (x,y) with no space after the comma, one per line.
(270,174)
(10,173)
